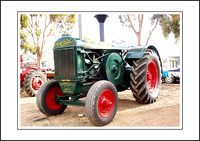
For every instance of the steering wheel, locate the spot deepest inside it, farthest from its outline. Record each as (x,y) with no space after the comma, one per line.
(119,42)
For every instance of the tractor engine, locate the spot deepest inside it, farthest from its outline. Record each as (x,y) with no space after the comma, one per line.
(80,63)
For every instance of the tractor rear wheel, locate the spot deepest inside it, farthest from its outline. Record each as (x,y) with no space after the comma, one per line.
(33,81)
(46,101)
(101,103)
(146,77)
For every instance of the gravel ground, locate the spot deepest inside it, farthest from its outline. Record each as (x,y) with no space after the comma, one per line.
(165,112)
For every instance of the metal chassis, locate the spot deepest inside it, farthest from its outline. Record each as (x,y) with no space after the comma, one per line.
(73,101)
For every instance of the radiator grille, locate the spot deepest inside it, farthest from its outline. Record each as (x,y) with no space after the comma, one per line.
(64,62)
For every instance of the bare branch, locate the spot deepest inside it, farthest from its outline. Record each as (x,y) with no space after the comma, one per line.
(44,40)
(32,22)
(45,20)
(44,32)
(152,31)
(36,24)
(47,37)
(30,56)
(132,24)
(49,22)
(27,30)
(31,31)
(139,18)
(140,23)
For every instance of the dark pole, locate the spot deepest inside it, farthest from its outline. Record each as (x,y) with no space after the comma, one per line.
(101,18)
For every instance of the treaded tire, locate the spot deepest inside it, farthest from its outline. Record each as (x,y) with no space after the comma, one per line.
(45,96)
(101,103)
(28,81)
(138,83)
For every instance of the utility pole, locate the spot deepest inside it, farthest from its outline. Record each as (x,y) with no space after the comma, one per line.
(80,25)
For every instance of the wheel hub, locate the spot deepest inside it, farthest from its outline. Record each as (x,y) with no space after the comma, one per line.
(50,98)
(113,68)
(152,76)
(106,103)
(37,82)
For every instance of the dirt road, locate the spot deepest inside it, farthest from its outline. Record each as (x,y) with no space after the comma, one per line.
(165,112)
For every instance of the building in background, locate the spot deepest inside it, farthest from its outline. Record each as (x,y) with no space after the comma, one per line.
(47,61)
(29,61)
(171,62)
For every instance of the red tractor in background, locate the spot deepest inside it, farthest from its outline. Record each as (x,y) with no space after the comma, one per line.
(31,78)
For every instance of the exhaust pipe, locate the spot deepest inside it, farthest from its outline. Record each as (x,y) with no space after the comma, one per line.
(101,18)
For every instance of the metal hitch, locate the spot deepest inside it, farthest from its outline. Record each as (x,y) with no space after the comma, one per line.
(74,100)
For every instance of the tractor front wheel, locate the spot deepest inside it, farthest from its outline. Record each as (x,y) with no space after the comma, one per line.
(46,101)
(33,81)
(146,77)
(101,103)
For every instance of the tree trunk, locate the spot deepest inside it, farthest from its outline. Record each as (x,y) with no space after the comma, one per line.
(140,28)
(138,34)
(38,56)
(139,38)
(38,61)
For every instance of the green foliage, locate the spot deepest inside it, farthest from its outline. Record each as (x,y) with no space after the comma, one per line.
(25,43)
(169,24)
(24,21)
(64,22)
(124,20)
(36,28)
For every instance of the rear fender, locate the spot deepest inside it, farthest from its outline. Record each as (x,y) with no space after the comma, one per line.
(138,52)
(155,49)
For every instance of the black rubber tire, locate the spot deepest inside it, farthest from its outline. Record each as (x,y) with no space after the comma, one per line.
(28,81)
(138,83)
(92,100)
(41,98)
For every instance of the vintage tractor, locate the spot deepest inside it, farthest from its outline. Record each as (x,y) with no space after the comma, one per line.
(31,78)
(97,71)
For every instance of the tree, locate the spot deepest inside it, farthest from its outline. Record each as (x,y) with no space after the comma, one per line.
(36,28)
(169,24)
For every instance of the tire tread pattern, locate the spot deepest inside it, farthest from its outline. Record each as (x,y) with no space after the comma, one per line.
(138,83)
(27,81)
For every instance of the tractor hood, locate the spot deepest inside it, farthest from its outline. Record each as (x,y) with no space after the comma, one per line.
(67,41)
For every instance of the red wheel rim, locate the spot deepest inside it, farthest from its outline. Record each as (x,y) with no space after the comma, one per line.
(37,82)
(106,103)
(152,76)
(50,98)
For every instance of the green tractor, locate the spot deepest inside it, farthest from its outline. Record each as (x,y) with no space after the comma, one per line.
(97,71)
